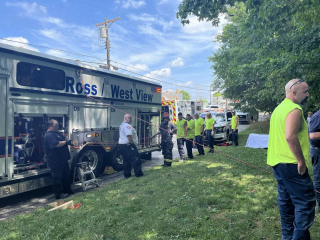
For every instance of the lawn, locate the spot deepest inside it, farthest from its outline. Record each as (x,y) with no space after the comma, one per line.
(210,197)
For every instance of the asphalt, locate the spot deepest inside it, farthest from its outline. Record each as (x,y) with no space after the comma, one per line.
(39,198)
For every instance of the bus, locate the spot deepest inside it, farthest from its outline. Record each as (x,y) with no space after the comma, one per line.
(88,102)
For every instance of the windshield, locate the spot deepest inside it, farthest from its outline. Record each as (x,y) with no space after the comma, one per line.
(219,118)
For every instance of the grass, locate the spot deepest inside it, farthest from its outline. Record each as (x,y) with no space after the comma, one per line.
(211,197)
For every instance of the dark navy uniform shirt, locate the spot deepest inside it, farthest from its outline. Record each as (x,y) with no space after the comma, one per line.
(55,156)
(314,126)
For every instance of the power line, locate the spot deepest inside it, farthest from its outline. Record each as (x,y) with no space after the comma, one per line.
(148,72)
(99,63)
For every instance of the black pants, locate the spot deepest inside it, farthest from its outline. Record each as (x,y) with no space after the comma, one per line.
(180,143)
(235,137)
(131,159)
(167,152)
(315,159)
(210,140)
(199,140)
(60,177)
(189,145)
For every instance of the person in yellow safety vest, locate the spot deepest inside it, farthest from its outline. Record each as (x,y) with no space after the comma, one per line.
(189,134)
(180,135)
(210,131)
(234,128)
(288,151)
(198,132)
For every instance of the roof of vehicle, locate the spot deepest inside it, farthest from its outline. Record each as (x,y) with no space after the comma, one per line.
(49,58)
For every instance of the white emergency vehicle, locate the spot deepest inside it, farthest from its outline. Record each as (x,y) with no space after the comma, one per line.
(36,87)
(173,107)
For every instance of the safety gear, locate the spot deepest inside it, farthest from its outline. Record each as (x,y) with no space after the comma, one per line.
(278,149)
(234,122)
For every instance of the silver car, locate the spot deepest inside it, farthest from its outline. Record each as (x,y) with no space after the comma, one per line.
(222,126)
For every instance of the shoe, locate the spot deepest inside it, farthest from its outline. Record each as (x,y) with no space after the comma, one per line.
(165,165)
(181,160)
(62,196)
(127,176)
(198,154)
(144,174)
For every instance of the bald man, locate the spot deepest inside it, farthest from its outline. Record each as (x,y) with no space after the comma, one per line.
(287,153)
(57,156)
(128,140)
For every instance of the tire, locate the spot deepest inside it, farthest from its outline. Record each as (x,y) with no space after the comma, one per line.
(93,155)
(117,160)
(146,156)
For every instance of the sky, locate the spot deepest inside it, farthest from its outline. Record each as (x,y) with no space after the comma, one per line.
(148,41)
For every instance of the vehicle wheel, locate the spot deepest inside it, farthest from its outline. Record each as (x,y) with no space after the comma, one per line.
(146,156)
(94,156)
(117,160)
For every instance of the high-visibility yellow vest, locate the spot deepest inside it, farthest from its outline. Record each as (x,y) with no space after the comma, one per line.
(180,128)
(278,148)
(190,131)
(233,122)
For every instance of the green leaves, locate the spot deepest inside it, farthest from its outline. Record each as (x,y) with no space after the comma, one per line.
(265,44)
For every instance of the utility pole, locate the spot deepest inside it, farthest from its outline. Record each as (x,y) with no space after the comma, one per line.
(105,23)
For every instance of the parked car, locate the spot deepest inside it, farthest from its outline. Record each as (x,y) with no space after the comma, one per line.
(210,108)
(244,117)
(222,126)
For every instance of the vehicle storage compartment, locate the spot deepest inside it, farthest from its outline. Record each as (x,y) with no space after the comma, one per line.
(29,152)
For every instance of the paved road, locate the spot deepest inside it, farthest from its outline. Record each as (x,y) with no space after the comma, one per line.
(30,201)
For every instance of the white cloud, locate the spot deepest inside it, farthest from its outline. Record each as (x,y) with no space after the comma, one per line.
(178,62)
(197,27)
(56,53)
(153,75)
(53,34)
(29,8)
(141,67)
(150,19)
(189,83)
(57,21)
(132,3)
(19,42)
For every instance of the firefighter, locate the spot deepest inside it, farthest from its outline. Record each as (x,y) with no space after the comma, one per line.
(167,129)
(189,126)
(128,140)
(56,146)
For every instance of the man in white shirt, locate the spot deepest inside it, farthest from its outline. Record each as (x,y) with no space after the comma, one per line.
(128,140)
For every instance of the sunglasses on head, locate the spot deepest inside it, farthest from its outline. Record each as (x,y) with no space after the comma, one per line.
(300,80)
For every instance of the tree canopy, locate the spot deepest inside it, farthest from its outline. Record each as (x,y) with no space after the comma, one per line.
(264,44)
(185,95)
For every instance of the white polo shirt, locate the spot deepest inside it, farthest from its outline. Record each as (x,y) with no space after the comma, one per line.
(126,129)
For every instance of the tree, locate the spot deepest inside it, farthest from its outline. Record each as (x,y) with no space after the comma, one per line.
(264,45)
(185,95)
(217,94)
(204,101)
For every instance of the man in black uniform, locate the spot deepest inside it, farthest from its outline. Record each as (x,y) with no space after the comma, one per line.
(56,147)
(166,130)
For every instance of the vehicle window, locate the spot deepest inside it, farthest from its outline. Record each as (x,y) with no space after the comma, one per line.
(165,109)
(33,75)
(219,117)
(198,108)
